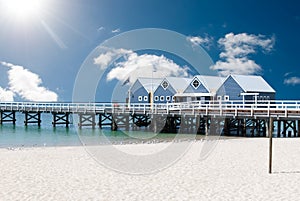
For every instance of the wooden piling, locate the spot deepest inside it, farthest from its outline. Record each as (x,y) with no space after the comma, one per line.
(284,128)
(60,118)
(278,128)
(32,118)
(206,126)
(270,133)
(86,120)
(7,116)
(298,128)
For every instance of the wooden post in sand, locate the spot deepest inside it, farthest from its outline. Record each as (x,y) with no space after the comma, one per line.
(270,133)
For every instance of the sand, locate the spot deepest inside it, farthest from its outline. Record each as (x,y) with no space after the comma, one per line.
(237,169)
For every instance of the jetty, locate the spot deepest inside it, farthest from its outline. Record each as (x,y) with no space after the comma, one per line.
(256,118)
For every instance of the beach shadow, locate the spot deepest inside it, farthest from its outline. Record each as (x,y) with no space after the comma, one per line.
(286,172)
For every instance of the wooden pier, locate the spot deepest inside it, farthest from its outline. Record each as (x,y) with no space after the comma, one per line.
(226,118)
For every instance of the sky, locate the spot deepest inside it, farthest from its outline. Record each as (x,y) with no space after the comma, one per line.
(44,45)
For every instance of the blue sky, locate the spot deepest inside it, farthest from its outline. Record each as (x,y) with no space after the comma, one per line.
(51,45)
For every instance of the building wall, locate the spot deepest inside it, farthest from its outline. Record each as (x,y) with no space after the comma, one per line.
(138,93)
(262,96)
(230,88)
(165,93)
(200,89)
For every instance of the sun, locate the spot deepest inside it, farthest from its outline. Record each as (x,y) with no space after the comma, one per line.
(22,9)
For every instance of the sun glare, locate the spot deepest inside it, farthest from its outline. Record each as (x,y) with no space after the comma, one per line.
(22,9)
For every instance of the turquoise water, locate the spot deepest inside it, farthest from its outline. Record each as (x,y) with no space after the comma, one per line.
(21,136)
(18,136)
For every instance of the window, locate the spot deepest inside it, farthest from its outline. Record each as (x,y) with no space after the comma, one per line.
(140,98)
(145,98)
(168,98)
(173,98)
(196,83)
(162,98)
(226,98)
(156,98)
(165,84)
(219,98)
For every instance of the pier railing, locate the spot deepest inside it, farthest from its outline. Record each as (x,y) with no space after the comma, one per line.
(276,108)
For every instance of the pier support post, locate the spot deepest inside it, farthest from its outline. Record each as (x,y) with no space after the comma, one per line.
(244,126)
(298,128)
(206,126)
(127,119)
(278,128)
(105,119)
(86,120)
(270,133)
(226,126)
(32,118)
(7,116)
(253,123)
(114,125)
(60,118)
(284,128)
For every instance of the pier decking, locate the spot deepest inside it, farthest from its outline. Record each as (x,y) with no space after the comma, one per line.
(201,117)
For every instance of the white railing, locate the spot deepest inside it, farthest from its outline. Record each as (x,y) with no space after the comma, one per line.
(205,107)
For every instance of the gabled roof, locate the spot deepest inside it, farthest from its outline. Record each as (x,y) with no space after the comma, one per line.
(150,83)
(212,83)
(252,83)
(179,84)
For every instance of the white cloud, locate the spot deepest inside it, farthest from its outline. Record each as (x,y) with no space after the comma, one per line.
(287,74)
(100,29)
(292,81)
(234,58)
(133,65)
(26,84)
(145,65)
(240,66)
(6,95)
(104,60)
(116,30)
(203,41)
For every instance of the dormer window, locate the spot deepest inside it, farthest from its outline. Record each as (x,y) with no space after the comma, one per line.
(165,84)
(196,83)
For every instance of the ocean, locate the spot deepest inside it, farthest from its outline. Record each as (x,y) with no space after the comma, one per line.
(20,135)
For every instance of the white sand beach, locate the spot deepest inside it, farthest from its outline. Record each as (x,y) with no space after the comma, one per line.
(237,169)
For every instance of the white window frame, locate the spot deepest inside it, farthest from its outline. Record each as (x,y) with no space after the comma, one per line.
(198,84)
(162,84)
(226,98)
(219,98)
(145,98)
(156,98)
(140,98)
(173,98)
(168,98)
(162,98)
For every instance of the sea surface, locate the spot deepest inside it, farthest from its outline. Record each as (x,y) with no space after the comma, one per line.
(20,135)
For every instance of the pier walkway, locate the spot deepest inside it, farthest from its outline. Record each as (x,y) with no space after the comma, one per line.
(236,115)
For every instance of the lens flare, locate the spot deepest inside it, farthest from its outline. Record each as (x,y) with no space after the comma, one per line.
(22,9)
